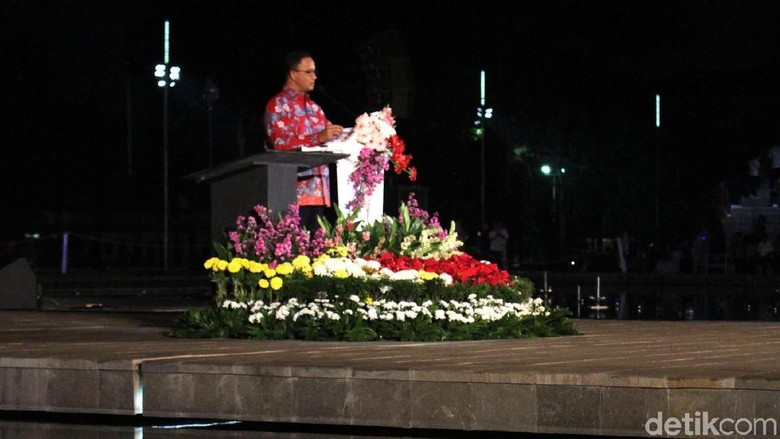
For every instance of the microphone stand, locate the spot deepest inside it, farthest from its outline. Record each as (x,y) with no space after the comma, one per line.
(320,89)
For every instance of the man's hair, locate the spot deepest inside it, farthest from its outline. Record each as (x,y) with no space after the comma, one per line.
(293,59)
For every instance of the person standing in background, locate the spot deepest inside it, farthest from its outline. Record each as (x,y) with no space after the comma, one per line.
(774,173)
(498,237)
(753,176)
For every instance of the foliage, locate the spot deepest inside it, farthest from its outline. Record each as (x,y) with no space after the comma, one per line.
(412,233)
(353,319)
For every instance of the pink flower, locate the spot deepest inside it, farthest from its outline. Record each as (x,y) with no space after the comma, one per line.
(381,146)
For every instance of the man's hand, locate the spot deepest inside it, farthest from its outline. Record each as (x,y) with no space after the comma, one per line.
(330,132)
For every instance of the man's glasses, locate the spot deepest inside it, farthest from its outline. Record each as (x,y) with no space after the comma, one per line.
(310,72)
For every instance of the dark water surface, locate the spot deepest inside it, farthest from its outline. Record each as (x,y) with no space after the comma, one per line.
(26,425)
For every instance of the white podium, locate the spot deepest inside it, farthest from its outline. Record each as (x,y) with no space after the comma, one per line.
(374,206)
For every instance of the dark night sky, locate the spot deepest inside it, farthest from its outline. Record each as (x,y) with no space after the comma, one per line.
(569,80)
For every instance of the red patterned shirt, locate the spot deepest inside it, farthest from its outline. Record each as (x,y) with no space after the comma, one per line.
(292,120)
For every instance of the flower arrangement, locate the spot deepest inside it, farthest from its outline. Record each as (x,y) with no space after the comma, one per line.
(414,232)
(380,146)
(274,241)
(399,278)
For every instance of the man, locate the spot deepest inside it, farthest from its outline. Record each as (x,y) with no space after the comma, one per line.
(499,236)
(774,173)
(292,120)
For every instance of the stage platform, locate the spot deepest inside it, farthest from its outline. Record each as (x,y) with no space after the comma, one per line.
(616,379)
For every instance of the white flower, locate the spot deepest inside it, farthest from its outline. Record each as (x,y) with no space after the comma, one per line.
(371,265)
(389,305)
(405,275)
(320,269)
(282,313)
(335,264)
(439,314)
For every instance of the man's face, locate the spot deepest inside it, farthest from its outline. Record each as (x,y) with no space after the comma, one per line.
(302,78)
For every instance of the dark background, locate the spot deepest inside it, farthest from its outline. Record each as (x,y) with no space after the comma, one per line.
(571,83)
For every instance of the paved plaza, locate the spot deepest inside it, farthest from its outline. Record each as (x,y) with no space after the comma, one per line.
(610,380)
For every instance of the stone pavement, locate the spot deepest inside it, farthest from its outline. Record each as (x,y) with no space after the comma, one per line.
(609,381)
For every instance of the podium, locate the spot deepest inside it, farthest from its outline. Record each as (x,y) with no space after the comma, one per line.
(268,178)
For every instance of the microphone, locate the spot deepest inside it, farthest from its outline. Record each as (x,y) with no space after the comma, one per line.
(320,89)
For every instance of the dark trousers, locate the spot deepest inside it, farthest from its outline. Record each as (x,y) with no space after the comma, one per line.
(754,182)
(309,216)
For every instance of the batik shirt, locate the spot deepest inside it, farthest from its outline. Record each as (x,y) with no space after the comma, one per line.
(292,120)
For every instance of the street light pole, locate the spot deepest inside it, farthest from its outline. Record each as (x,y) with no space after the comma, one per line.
(557,200)
(482,114)
(482,154)
(166,203)
(657,167)
(167,76)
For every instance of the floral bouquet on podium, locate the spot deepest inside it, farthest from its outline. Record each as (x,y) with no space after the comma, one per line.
(380,146)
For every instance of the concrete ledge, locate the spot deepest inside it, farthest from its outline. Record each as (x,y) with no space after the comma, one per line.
(67,386)
(609,381)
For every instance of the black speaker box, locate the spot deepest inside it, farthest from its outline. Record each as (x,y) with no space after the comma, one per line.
(18,286)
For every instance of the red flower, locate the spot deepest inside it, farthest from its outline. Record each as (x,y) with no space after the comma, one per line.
(463,268)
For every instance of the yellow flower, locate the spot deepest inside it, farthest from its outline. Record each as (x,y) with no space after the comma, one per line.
(338,251)
(369,301)
(245,263)
(255,267)
(234,266)
(321,259)
(276,283)
(221,265)
(269,272)
(285,268)
(427,275)
(301,262)
(210,262)
(308,271)
(263,283)
(340,274)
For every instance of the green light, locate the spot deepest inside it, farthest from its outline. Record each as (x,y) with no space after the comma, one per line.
(167,42)
(546,169)
(482,88)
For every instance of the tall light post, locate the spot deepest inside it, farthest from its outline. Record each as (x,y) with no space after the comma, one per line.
(166,75)
(557,198)
(482,114)
(657,167)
